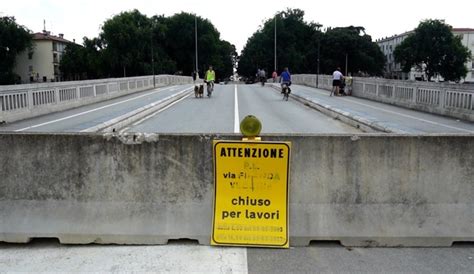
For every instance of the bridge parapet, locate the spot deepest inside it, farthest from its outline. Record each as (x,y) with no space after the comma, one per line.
(19,102)
(454,100)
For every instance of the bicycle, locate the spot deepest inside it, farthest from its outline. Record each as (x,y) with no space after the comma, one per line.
(285,89)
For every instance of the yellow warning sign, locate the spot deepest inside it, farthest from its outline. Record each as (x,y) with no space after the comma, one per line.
(251,193)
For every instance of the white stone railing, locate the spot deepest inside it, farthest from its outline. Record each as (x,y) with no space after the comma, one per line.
(454,100)
(19,102)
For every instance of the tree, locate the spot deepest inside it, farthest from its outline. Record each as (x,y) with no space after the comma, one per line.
(296,45)
(126,38)
(84,62)
(14,39)
(299,43)
(354,44)
(433,46)
(180,45)
(130,41)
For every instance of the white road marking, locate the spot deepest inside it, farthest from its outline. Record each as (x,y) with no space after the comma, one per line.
(404,115)
(236,111)
(155,113)
(171,258)
(92,110)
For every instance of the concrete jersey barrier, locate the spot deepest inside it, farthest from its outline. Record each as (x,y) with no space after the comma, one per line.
(362,190)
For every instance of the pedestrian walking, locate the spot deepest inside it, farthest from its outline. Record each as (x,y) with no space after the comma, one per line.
(336,81)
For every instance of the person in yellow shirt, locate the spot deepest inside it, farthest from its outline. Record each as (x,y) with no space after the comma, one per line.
(210,77)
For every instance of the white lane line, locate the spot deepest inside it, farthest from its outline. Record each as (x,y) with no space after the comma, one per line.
(236,111)
(92,110)
(405,115)
(163,109)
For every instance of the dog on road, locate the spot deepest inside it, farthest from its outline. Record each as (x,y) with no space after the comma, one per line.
(199,91)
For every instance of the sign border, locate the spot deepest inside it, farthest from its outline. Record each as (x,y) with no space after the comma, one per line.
(288,145)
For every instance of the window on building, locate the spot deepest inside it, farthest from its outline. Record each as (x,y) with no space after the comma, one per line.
(55,46)
(55,58)
(30,68)
(30,55)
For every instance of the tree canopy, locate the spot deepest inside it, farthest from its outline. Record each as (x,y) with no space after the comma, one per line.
(128,40)
(14,39)
(298,45)
(362,54)
(435,48)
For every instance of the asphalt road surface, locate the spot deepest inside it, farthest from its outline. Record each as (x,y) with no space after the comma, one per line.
(185,257)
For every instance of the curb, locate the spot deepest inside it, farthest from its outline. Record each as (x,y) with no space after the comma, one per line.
(344,116)
(122,121)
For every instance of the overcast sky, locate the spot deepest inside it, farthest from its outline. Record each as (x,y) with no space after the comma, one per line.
(238,20)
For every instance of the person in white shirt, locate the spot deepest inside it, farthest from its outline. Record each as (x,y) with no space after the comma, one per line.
(336,81)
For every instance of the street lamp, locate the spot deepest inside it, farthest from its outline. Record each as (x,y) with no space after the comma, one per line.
(317,68)
(196,44)
(347,57)
(152,59)
(275,50)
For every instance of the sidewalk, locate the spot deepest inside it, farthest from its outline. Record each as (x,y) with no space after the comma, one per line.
(372,116)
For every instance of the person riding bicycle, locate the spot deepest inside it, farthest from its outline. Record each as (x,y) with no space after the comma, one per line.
(262,75)
(285,79)
(210,77)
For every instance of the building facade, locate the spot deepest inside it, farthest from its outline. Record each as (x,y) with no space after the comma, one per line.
(42,63)
(393,70)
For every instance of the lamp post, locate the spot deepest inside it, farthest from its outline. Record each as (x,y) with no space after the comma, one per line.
(152,59)
(196,45)
(347,57)
(317,67)
(275,49)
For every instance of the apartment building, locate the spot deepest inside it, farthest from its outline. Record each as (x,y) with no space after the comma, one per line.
(393,70)
(42,63)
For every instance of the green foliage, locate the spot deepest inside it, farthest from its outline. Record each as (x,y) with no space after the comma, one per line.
(363,55)
(14,39)
(180,45)
(298,45)
(130,41)
(83,62)
(433,46)
(127,38)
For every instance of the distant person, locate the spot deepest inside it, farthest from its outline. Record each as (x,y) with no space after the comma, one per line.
(348,84)
(194,76)
(285,79)
(336,81)
(274,76)
(210,76)
(262,76)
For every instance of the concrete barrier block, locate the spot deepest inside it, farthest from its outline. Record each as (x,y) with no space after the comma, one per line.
(361,190)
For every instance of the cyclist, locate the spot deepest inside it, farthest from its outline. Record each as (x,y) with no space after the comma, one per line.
(285,79)
(262,76)
(210,77)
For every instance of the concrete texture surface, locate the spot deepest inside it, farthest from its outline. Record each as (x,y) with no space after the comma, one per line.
(363,190)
